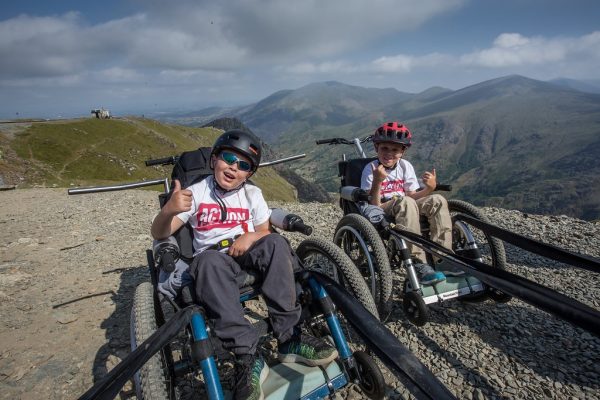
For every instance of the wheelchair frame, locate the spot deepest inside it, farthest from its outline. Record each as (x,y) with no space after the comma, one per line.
(156,379)
(378,267)
(351,367)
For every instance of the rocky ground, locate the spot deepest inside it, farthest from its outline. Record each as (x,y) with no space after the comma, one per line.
(69,266)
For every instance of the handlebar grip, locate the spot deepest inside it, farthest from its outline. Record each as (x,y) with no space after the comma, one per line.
(443,188)
(325,141)
(159,161)
(167,262)
(303,228)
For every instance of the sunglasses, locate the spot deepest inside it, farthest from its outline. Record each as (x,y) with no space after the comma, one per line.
(231,159)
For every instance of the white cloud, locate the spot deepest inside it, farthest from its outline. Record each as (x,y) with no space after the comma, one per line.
(328,67)
(313,28)
(515,50)
(509,53)
(191,35)
(118,74)
(404,63)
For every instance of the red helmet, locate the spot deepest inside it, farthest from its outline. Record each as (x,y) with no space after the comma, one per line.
(393,132)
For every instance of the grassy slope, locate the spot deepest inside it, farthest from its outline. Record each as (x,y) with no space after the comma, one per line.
(89,152)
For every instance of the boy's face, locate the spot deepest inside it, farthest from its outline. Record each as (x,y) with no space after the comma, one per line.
(230,176)
(389,153)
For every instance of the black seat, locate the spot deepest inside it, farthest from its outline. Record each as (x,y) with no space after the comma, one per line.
(351,170)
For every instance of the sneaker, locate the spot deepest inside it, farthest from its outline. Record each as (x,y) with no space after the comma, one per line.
(250,373)
(307,350)
(448,269)
(427,275)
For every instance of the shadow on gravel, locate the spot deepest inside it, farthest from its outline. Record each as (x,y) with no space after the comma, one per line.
(536,341)
(547,345)
(469,374)
(116,326)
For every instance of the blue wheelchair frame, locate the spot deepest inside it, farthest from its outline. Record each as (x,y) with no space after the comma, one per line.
(319,295)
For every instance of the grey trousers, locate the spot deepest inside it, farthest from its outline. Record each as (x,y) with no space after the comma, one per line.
(216,277)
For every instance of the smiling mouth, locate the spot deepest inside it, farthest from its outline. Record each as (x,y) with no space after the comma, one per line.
(229,176)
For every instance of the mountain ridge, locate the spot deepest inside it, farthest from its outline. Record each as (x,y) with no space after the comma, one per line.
(506,141)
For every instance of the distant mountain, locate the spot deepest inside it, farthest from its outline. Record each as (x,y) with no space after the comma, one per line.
(512,142)
(315,105)
(227,124)
(306,191)
(198,118)
(582,86)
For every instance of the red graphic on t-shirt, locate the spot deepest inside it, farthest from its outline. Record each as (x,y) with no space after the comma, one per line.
(392,187)
(209,217)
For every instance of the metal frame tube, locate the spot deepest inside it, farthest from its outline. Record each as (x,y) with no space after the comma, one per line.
(208,365)
(333,323)
(124,186)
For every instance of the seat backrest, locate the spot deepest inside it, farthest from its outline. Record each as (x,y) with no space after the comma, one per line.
(351,170)
(192,166)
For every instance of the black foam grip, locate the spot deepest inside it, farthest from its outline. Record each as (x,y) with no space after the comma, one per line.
(443,188)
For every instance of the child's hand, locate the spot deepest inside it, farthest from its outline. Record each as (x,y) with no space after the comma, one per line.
(429,179)
(180,201)
(379,173)
(241,244)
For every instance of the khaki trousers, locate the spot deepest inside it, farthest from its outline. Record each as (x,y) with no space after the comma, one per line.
(405,211)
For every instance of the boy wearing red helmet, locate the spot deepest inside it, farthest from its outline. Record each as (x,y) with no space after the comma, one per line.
(392,184)
(223,206)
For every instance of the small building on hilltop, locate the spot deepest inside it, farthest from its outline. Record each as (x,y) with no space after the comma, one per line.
(101,113)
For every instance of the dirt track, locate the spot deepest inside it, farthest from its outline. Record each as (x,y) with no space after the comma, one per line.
(67,275)
(69,266)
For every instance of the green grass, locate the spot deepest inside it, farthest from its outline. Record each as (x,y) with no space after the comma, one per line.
(91,152)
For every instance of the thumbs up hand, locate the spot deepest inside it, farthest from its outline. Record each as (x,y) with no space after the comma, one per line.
(379,173)
(180,201)
(429,179)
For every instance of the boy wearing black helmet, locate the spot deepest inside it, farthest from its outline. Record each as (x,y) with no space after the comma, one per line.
(392,184)
(223,206)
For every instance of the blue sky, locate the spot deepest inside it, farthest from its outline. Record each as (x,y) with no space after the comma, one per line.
(146,56)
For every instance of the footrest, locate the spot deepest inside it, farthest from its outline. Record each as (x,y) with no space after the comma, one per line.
(452,287)
(298,381)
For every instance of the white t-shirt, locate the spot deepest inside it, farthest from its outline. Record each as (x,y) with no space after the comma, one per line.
(400,179)
(245,209)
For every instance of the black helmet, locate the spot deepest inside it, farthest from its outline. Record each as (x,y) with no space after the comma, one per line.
(241,141)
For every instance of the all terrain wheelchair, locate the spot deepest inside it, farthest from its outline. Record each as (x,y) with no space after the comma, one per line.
(174,368)
(376,248)
(195,361)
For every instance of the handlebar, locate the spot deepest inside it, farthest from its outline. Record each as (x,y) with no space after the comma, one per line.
(301,227)
(125,186)
(440,187)
(173,159)
(343,141)
(162,161)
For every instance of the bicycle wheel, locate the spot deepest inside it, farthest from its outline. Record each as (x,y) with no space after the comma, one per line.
(152,380)
(491,248)
(359,239)
(323,256)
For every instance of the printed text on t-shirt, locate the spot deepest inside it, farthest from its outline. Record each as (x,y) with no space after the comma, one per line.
(209,217)
(395,186)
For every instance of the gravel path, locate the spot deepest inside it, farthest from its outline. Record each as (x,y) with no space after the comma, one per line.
(69,266)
